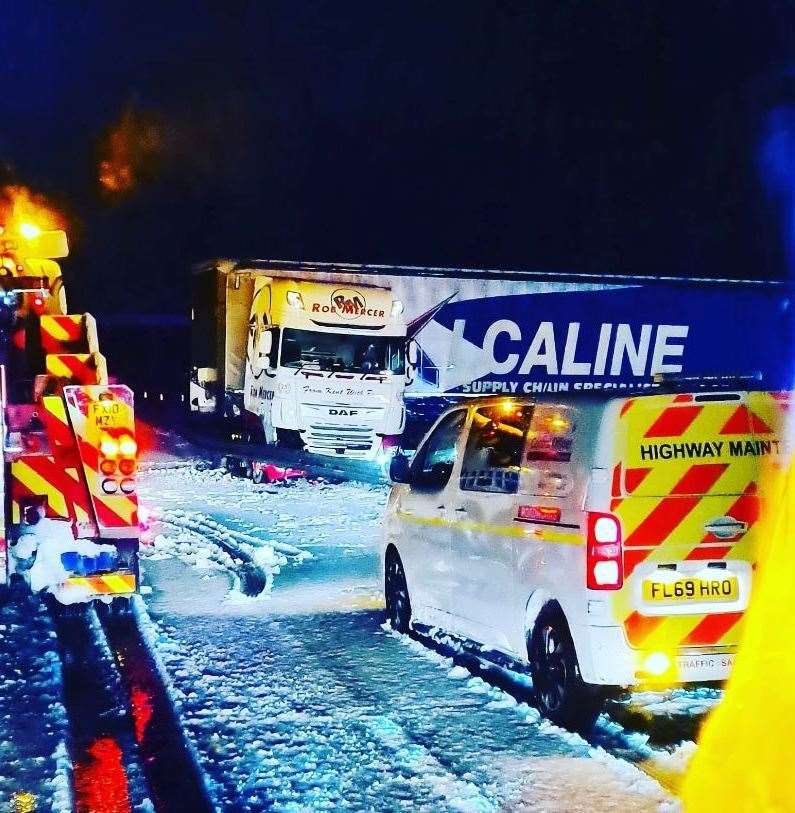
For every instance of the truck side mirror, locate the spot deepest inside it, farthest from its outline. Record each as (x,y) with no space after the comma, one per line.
(265,343)
(413,353)
(399,470)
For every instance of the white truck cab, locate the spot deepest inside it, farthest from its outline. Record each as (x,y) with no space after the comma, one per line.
(606,544)
(326,366)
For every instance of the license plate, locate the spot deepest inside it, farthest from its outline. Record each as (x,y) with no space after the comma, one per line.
(691,589)
(107,414)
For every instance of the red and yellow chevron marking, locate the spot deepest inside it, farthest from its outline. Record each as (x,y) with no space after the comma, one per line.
(52,413)
(664,503)
(59,331)
(105,583)
(44,476)
(95,411)
(77,368)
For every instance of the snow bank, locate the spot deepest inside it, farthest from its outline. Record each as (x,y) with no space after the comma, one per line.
(33,722)
(625,777)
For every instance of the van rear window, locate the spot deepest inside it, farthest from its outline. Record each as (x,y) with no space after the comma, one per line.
(493,454)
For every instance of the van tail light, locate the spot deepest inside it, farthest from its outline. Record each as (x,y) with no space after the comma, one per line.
(604,564)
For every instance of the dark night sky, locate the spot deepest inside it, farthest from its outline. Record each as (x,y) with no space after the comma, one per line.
(573,136)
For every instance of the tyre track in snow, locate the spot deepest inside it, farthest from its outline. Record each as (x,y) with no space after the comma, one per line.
(331,711)
(312,734)
(660,749)
(624,732)
(126,744)
(250,561)
(388,723)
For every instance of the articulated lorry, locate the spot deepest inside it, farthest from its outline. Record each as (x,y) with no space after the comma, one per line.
(341,359)
(70,522)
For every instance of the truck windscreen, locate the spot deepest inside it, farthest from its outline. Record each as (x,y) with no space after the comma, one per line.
(341,353)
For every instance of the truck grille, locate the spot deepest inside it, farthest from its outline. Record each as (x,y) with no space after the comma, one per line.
(336,439)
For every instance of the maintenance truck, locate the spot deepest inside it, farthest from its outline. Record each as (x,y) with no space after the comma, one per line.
(70,524)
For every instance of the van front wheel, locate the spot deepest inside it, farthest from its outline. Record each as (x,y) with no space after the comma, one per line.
(396,595)
(560,692)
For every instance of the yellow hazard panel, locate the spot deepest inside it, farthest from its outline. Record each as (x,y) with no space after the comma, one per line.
(104,584)
(673,445)
(104,426)
(78,368)
(685,487)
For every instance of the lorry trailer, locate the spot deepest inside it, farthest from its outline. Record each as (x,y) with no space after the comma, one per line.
(351,360)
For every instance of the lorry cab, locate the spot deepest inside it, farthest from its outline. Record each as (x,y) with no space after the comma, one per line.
(326,366)
(315,363)
(606,544)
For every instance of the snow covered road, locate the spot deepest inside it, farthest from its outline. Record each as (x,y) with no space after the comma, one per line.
(298,699)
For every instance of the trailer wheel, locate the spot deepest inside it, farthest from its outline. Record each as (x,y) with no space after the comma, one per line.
(560,693)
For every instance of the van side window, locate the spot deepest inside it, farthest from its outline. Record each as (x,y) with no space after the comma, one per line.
(493,454)
(433,463)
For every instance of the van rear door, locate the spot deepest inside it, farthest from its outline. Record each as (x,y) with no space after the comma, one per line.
(686,490)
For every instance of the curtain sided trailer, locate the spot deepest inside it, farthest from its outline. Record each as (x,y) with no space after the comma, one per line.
(271,346)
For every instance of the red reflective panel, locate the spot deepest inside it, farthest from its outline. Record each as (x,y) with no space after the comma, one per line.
(141,711)
(100,780)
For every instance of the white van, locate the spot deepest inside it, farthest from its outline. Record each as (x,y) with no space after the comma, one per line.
(606,544)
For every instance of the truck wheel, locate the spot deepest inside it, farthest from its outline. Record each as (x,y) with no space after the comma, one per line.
(119,607)
(289,439)
(560,693)
(396,594)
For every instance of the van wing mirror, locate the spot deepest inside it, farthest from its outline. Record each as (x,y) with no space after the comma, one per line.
(399,469)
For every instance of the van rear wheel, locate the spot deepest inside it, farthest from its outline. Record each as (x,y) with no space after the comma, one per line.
(396,595)
(560,692)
